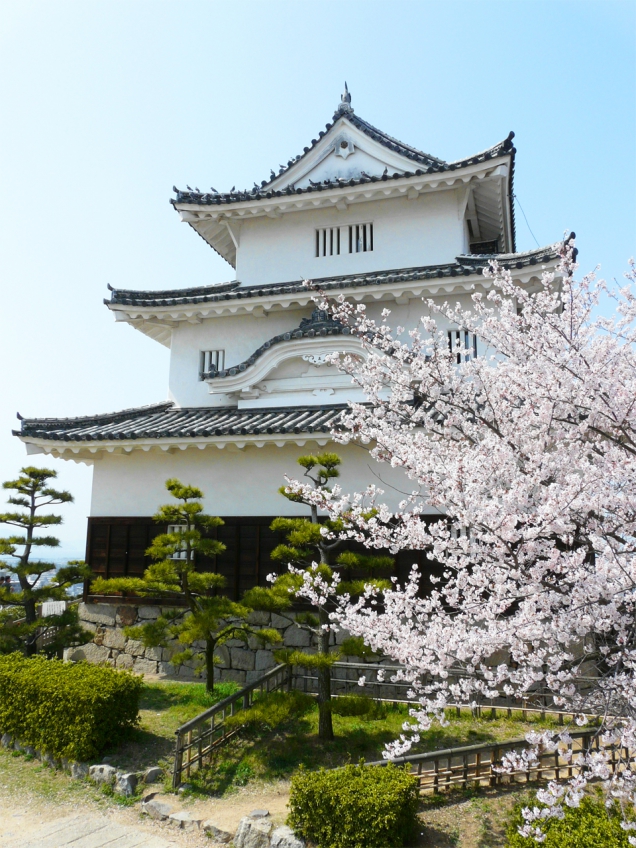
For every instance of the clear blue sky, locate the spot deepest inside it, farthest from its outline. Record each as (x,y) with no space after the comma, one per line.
(105,105)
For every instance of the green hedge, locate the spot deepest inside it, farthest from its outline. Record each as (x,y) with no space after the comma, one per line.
(354,807)
(590,825)
(71,711)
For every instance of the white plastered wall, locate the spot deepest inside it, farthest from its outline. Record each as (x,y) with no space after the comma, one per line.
(428,230)
(235,482)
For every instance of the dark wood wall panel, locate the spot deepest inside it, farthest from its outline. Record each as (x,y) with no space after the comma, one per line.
(116,547)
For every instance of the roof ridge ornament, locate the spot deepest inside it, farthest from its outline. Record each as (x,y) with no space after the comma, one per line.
(345,101)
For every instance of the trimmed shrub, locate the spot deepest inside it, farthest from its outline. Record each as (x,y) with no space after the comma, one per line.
(354,807)
(71,711)
(272,711)
(358,705)
(590,825)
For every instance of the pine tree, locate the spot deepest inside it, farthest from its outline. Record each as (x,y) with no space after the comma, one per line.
(314,555)
(201,615)
(39,581)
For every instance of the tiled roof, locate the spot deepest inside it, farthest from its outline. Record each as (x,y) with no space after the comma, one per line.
(463,266)
(318,325)
(164,420)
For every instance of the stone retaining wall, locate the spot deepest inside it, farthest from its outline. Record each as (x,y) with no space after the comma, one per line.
(240,662)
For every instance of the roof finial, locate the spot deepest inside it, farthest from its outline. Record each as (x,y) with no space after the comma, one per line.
(345,101)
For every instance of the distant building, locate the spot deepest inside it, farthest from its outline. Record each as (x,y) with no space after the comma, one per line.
(249,389)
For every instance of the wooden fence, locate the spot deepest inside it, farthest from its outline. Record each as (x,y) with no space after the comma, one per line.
(199,737)
(480,765)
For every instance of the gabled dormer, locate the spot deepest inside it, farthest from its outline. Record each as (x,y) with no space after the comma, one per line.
(357,200)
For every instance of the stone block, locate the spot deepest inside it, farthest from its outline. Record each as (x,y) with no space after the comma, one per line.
(135,648)
(154,654)
(168,669)
(222,657)
(242,659)
(49,760)
(235,643)
(79,771)
(252,833)
(252,676)
(126,615)
(102,773)
(187,673)
(124,661)
(259,814)
(263,660)
(155,808)
(97,613)
(259,617)
(297,638)
(126,783)
(6,740)
(141,666)
(215,833)
(149,613)
(284,837)
(233,674)
(113,637)
(280,622)
(154,774)
(341,635)
(185,820)
(90,653)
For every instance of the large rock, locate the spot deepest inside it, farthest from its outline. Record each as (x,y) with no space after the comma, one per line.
(252,833)
(280,622)
(126,616)
(242,659)
(113,637)
(264,660)
(155,808)
(141,666)
(258,617)
(102,774)
(168,669)
(152,775)
(126,783)
(97,613)
(124,661)
(222,656)
(135,648)
(284,837)
(7,740)
(185,820)
(90,653)
(297,638)
(234,674)
(215,833)
(154,654)
(79,771)
(149,613)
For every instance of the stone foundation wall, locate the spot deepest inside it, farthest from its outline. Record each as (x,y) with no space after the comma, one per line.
(240,662)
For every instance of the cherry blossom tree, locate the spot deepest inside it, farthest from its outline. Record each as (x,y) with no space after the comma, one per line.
(527,453)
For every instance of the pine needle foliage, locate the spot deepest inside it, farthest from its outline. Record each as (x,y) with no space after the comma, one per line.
(202,619)
(309,551)
(21,622)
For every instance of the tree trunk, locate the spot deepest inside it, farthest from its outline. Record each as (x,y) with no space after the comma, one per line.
(325,723)
(209,664)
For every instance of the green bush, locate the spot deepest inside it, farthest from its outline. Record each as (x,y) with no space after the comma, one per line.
(590,825)
(358,705)
(274,710)
(354,807)
(71,711)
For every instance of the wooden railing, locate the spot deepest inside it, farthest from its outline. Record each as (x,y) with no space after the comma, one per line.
(480,765)
(199,737)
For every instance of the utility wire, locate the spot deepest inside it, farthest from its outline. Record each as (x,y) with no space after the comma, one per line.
(526,220)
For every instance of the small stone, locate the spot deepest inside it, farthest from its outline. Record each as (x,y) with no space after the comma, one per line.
(102,773)
(126,616)
(79,771)
(259,814)
(215,833)
(49,760)
(7,740)
(185,820)
(252,833)
(126,783)
(284,837)
(154,808)
(30,751)
(185,787)
(152,775)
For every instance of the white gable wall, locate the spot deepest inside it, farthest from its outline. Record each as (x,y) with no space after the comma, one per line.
(429,230)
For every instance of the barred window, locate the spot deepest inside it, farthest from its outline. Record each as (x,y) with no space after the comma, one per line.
(181,553)
(211,360)
(353,238)
(464,340)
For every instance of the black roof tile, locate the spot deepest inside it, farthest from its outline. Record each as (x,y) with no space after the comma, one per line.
(164,420)
(464,265)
